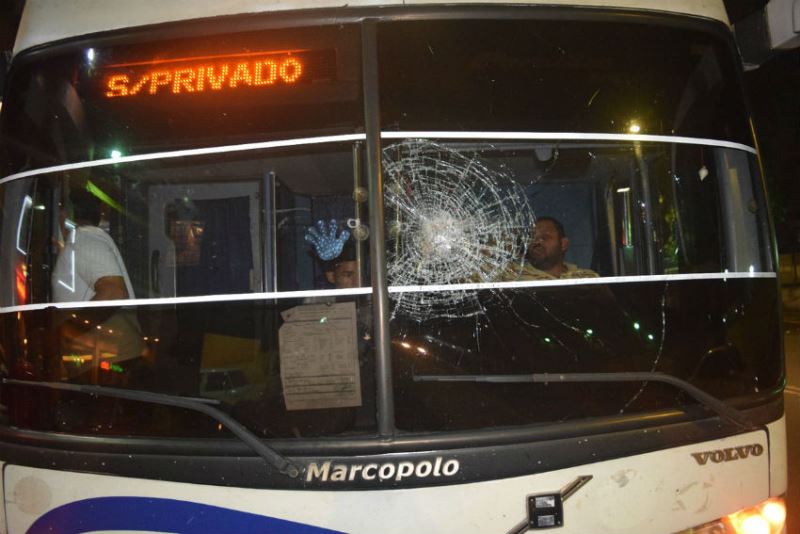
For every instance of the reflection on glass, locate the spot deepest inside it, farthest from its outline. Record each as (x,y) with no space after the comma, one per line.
(209,226)
(545,75)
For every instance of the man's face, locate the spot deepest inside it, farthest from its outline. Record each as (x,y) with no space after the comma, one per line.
(344,276)
(546,249)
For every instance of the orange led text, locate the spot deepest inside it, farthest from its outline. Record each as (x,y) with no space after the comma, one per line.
(206,77)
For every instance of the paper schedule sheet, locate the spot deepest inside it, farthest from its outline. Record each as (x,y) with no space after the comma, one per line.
(319,356)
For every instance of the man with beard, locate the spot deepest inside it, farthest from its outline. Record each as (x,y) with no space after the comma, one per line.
(546,251)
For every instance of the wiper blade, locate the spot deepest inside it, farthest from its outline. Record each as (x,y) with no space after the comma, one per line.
(272,457)
(721,408)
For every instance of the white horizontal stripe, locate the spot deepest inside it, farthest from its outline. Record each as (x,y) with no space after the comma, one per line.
(239,297)
(235,297)
(188,152)
(568,136)
(576,282)
(518,136)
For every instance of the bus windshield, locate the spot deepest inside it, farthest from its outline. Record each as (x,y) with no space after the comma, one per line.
(190,217)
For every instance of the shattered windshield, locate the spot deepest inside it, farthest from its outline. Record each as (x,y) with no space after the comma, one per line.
(521,258)
(585,199)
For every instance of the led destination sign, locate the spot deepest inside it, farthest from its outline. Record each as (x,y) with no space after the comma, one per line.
(212,74)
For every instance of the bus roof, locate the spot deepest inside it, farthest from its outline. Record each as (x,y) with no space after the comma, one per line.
(45,21)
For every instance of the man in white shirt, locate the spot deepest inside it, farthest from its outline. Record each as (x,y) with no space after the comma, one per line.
(90,267)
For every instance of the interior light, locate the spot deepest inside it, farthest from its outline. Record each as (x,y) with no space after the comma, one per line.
(116,154)
(104,197)
(71,286)
(624,190)
(634,128)
(27,204)
(421,350)
(90,54)
(589,331)
(636,326)
(405,345)
(108,366)
(651,337)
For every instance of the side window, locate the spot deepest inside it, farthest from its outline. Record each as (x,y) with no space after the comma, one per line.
(695,228)
(30,239)
(740,211)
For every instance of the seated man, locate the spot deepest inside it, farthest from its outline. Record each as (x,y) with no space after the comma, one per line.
(90,268)
(546,251)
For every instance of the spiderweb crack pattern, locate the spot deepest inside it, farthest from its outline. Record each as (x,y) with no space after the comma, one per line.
(450,219)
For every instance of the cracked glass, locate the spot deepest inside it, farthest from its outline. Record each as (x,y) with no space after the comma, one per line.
(663,271)
(583,252)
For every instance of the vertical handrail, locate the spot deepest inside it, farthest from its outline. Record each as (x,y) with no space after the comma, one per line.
(380,293)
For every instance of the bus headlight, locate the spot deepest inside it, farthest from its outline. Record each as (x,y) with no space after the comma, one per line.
(767,517)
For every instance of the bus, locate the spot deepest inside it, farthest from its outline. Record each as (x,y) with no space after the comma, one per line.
(384,266)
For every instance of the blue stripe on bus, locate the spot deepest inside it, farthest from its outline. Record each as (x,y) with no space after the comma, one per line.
(161,515)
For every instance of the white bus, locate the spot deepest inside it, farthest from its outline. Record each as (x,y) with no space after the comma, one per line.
(382,266)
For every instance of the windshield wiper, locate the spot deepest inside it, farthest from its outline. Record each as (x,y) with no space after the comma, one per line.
(721,408)
(272,457)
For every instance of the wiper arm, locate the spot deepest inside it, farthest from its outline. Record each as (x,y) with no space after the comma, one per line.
(272,457)
(721,408)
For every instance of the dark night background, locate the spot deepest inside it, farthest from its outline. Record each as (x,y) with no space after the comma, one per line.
(774,93)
